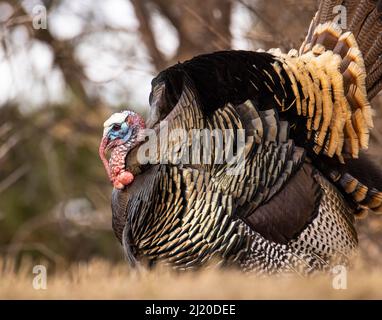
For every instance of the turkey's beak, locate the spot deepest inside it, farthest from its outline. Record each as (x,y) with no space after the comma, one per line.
(103,148)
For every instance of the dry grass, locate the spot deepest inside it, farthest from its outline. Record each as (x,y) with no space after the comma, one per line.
(101,280)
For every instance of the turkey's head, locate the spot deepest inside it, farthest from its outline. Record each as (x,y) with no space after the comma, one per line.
(122,132)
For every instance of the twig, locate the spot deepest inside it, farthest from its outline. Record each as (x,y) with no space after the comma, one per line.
(5,128)
(281,40)
(208,26)
(258,15)
(13,177)
(7,146)
(18,21)
(148,34)
(120,72)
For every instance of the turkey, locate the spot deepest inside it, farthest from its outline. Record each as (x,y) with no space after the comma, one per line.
(300,178)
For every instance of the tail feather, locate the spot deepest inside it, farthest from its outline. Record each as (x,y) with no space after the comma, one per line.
(375,89)
(375,74)
(326,10)
(351,7)
(370,29)
(372,55)
(329,42)
(360,49)
(360,180)
(364,21)
(362,13)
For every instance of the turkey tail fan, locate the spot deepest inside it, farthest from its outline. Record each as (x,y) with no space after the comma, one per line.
(359,46)
(364,21)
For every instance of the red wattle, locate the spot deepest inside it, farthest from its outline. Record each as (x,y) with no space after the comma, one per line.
(126,177)
(123,179)
(118,185)
(102,154)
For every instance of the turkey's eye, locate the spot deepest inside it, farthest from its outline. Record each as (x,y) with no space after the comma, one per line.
(116,127)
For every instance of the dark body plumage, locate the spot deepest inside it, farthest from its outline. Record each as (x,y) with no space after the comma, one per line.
(292,208)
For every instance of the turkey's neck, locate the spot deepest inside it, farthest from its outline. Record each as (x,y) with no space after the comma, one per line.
(117,159)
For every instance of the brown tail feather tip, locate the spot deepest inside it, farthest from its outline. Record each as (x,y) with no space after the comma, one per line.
(361,214)
(363,196)
(375,202)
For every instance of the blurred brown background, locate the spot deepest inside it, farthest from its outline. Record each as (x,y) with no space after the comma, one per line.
(58,84)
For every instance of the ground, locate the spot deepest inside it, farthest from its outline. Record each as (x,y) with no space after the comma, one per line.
(101,280)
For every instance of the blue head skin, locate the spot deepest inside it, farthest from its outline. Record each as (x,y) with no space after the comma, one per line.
(121,132)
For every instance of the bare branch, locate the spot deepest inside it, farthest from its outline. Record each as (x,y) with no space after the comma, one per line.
(209,27)
(63,52)
(5,128)
(148,34)
(9,144)
(13,177)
